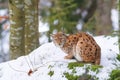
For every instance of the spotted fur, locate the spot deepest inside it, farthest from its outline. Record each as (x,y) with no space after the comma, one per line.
(82,46)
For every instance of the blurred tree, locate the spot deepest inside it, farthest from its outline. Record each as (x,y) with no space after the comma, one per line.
(118,32)
(31,26)
(17,28)
(24,27)
(1,1)
(100,22)
(66,14)
(3,4)
(63,14)
(118,7)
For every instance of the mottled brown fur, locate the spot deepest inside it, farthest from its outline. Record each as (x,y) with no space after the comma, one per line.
(82,46)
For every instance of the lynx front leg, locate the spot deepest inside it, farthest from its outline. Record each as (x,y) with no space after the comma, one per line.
(69,56)
(98,56)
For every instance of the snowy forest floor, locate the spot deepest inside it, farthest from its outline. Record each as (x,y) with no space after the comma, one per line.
(47,63)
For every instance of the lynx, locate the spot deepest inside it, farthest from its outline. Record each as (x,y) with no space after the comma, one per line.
(81,45)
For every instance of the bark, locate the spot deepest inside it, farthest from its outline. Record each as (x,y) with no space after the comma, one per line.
(16,29)
(91,10)
(103,17)
(24,27)
(31,25)
(100,23)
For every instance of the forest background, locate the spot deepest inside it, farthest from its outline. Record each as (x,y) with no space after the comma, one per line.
(70,16)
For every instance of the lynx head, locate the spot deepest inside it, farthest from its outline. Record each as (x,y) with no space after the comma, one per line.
(59,39)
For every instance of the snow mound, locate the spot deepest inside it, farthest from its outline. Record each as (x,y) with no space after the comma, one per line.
(48,58)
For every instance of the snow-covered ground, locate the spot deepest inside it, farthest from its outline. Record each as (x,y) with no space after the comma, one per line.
(43,28)
(47,63)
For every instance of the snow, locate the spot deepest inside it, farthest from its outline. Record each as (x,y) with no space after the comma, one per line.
(43,27)
(3,12)
(48,58)
(108,43)
(115,19)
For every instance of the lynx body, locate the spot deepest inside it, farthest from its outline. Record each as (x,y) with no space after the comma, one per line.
(82,46)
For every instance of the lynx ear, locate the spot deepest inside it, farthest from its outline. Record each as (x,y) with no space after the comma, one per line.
(64,34)
(67,34)
(52,35)
(63,30)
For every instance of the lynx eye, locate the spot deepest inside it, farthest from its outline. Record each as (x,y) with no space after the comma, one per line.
(61,37)
(55,38)
(59,43)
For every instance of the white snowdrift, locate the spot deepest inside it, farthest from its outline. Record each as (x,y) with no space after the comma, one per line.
(48,58)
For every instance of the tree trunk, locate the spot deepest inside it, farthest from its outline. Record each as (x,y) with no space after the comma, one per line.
(100,23)
(103,17)
(31,25)
(24,27)
(17,28)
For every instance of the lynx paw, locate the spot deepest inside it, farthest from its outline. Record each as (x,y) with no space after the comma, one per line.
(68,57)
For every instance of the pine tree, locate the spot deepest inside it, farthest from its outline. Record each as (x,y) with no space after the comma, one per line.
(63,14)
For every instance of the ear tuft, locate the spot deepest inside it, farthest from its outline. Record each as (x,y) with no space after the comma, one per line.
(64,34)
(52,35)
